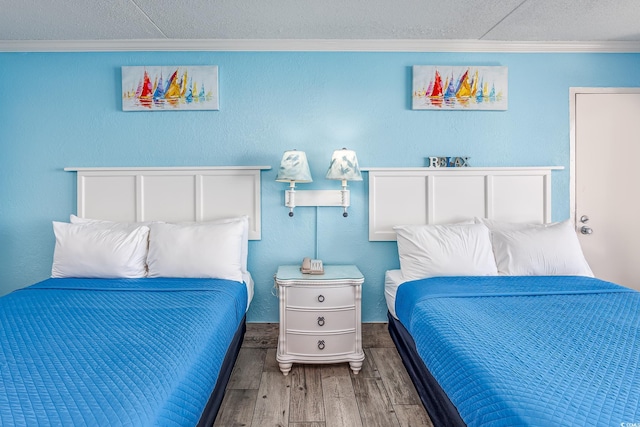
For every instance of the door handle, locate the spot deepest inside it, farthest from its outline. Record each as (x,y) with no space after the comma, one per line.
(586,230)
(584,219)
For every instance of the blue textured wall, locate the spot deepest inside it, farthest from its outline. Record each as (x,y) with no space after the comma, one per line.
(63,109)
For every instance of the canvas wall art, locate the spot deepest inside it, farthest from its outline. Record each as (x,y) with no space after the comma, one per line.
(170,88)
(459,88)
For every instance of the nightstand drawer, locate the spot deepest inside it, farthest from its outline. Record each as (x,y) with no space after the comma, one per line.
(320,321)
(320,296)
(321,344)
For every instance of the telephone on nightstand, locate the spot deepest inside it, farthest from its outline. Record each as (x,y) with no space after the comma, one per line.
(311,266)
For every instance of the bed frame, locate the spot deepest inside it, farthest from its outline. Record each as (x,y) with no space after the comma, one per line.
(413,196)
(176,194)
(442,412)
(217,395)
(410,196)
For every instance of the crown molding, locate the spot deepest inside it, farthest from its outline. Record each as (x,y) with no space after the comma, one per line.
(316,45)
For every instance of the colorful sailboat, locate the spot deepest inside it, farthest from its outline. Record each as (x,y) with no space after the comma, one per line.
(450,92)
(168,83)
(429,89)
(147,88)
(158,93)
(173,91)
(147,91)
(183,84)
(188,97)
(436,94)
(464,88)
(479,95)
(474,85)
(138,89)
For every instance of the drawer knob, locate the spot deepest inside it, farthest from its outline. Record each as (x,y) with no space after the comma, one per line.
(320,298)
(321,344)
(320,321)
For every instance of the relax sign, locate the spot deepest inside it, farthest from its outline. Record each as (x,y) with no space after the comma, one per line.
(448,162)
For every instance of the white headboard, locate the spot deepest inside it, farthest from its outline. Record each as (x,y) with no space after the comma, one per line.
(176,194)
(408,196)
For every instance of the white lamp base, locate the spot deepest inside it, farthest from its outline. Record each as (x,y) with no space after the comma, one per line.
(317,198)
(340,198)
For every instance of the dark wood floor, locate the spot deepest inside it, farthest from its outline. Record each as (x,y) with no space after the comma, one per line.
(320,395)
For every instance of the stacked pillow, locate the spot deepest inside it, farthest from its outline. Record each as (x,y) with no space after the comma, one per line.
(445,250)
(106,249)
(489,248)
(537,249)
(99,250)
(196,250)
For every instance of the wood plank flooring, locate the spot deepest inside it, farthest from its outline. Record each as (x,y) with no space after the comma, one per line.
(258,395)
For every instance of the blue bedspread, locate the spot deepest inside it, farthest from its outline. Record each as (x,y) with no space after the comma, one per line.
(114,352)
(538,351)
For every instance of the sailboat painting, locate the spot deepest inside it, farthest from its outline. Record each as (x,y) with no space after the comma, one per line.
(459,88)
(170,88)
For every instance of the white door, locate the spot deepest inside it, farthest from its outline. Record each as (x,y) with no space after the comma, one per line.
(605,176)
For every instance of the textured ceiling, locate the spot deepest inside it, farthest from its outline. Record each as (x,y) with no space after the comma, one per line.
(487,20)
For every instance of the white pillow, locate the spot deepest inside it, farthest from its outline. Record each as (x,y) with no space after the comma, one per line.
(243,219)
(99,250)
(131,225)
(196,250)
(553,250)
(74,219)
(445,250)
(495,225)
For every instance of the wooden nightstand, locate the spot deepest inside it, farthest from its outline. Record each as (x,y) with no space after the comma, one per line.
(320,319)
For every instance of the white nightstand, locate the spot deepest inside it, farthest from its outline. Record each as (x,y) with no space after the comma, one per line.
(320,316)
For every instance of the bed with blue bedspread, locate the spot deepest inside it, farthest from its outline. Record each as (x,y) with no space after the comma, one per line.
(516,350)
(117,352)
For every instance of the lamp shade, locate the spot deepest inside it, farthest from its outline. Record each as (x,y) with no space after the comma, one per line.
(294,167)
(344,166)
